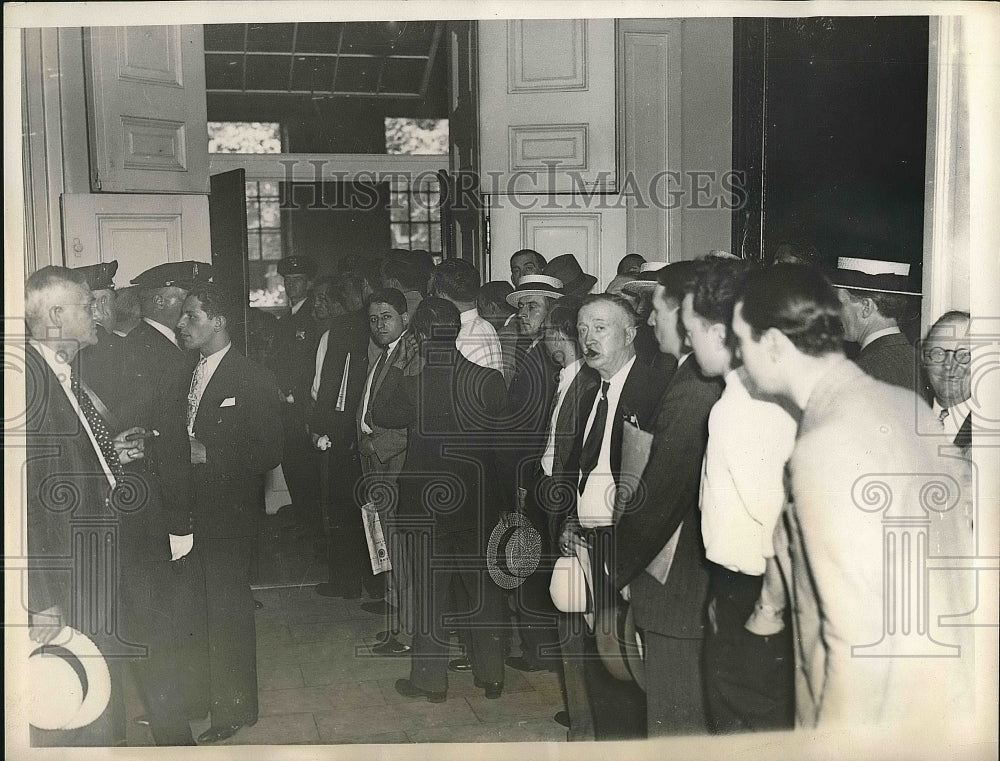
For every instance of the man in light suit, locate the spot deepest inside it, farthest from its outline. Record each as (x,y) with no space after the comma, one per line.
(234,422)
(853,610)
(947,358)
(670,610)
(627,389)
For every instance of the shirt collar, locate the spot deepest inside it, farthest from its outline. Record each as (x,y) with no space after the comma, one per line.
(212,360)
(297,306)
(469,315)
(163,330)
(879,334)
(617,380)
(682,359)
(568,373)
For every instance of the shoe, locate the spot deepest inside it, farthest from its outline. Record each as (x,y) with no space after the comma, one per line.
(391,646)
(377,607)
(408,689)
(493,689)
(257,605)
(520,663)
(562,718)
(460,665)
(218,734)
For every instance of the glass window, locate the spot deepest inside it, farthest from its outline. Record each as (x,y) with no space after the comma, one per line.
(415,214)
(244,137)
(416,136)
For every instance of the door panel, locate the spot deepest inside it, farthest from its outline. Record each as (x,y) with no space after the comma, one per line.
(140,231)
(227,211)
(147,110)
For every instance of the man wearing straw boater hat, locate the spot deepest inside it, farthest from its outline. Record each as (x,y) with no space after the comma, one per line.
(876,296)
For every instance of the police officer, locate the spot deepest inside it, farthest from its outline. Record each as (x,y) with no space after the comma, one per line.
(293,363)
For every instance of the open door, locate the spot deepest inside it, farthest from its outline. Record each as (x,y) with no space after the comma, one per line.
(462,232)
(227,211)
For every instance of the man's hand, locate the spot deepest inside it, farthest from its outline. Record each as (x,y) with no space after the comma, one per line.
(569,540)
(130,445)
(45,626)
(321,443)
(198,454)
(408,359)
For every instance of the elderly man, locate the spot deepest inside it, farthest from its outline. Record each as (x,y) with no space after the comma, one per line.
(947,359)
(627,390)
(874,297)
(78,455)
(750,438)
(660,557)
(854,431)
(232,417)
(525,262)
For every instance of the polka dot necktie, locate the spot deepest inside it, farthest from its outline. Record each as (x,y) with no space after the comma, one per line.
(97,425)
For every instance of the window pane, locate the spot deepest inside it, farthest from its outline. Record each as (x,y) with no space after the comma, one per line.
(270,244)
(244,137)
(270,214)
(400,236)
(253,214)
(418,208)
(419,238)
(269,189)
(435,238)
(416,136)
(251,189)
(399,208)
(253,247)
(435,204)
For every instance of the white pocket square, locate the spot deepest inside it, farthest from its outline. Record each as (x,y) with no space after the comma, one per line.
(229,401)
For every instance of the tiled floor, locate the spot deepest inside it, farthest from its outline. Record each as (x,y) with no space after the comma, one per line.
(319,684)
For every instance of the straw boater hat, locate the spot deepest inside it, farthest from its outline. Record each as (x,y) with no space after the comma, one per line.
(646,279)
(536,285)
(70,682)
(514,550)
(576,282)
(875,275)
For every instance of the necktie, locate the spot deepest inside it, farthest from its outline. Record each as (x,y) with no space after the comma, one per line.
(556,394)
(194,394)
(97,425)
(592,446)
(371,387)
(942,415)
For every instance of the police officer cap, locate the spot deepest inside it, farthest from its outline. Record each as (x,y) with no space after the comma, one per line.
(297,265)
(180,274)
(100,277)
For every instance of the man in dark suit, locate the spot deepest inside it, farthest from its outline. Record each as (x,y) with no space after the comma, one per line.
(947,358)
(550,495)
(153,379)
(670,607)
(336,390)
(875,298)
(628,390)
(233,422)
(450,407)
(529,399)
(100,371)
(293,363)
(74,572)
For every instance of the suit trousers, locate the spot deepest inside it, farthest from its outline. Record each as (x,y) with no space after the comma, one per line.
(440,560)
(748,677)
(348,561)
(575,656)
(172,676)
(298,463)
(232,639)
(675,698)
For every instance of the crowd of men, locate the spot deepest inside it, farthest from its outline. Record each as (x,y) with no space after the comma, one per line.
(693,439)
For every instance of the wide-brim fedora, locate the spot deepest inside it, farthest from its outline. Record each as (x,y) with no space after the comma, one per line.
(70,682)
(645,281)
(514,550)
(876,275)
(575,281)
(536,285)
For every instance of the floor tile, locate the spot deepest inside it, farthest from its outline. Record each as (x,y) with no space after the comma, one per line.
(522,731)
(350,666)
(280,676)
(514,706)
(313,699)
(277,730)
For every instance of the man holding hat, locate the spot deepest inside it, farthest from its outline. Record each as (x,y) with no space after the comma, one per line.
(293,363)
(875,296)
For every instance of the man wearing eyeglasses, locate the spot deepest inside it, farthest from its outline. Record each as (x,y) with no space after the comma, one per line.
(947,359)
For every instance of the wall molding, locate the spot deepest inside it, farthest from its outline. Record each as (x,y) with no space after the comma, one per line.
(518,53)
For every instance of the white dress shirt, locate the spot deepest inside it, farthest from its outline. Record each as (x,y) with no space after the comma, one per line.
(566,377)
(297,306)
(162,330)
(596,505)
(62,372)
(742,481)
(478,341)
(371,379)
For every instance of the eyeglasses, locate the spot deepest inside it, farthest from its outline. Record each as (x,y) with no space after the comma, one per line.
(92,306)
(937,355)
